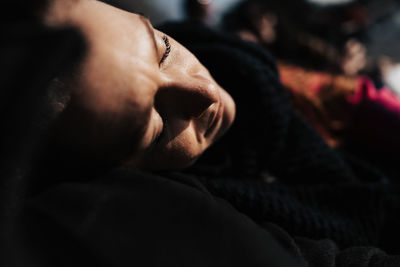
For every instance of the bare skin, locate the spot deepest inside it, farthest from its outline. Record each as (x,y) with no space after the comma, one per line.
(140,96)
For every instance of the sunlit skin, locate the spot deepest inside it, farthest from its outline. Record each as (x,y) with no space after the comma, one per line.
(140,97)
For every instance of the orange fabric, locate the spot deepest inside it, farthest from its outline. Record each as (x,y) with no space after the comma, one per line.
(322,99)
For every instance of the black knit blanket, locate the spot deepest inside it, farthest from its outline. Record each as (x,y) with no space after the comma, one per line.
(275,168)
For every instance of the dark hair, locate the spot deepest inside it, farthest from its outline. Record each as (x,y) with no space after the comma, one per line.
(22,10)
(35,63)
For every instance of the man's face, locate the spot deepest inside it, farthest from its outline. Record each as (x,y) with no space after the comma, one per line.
(140,97)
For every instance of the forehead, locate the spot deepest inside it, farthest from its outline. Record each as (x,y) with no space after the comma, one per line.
(119,73)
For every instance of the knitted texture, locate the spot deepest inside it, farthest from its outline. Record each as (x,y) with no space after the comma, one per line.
(268,134)
(318,193)
(311,211)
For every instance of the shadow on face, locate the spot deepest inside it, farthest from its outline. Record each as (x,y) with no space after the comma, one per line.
(139,99)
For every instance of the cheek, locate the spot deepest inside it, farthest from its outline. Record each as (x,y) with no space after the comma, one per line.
(106,136)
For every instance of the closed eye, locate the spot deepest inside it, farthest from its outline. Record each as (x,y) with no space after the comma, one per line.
(167,49)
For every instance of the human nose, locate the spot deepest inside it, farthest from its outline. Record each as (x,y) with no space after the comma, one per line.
(188,95)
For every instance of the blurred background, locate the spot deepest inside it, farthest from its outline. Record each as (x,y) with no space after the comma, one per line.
(364,34)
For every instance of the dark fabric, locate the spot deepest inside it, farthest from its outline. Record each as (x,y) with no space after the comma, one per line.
(275,168)
(351,215)
(124,218)
(268,135)
(129,218)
